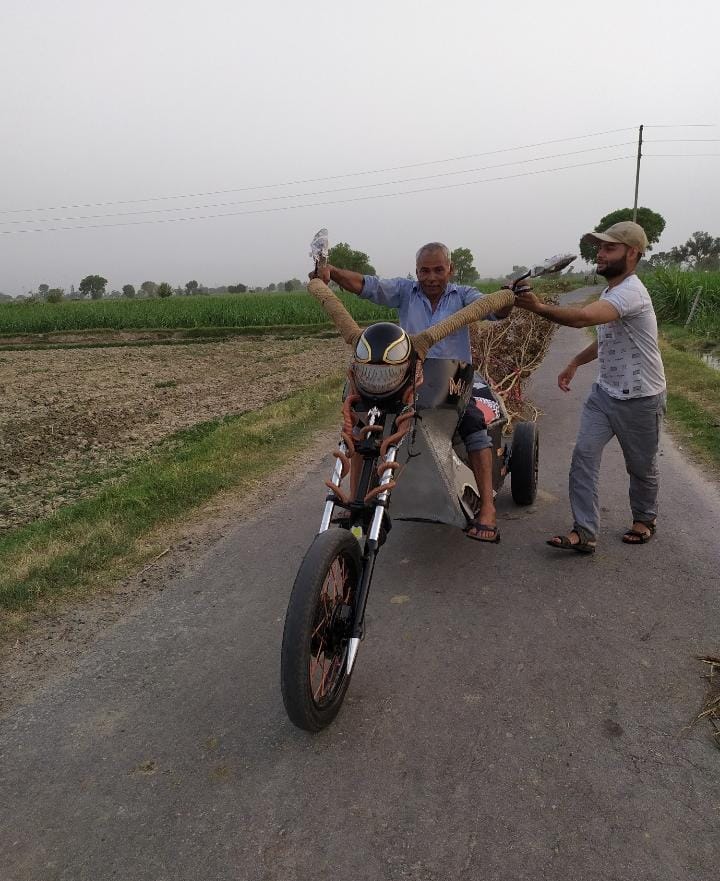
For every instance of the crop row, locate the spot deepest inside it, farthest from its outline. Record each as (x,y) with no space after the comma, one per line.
(245,310)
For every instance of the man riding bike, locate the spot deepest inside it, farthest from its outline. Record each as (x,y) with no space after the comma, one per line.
(420,305)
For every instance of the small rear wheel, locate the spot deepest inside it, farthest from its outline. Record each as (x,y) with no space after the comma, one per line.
(318,626)
(524,463)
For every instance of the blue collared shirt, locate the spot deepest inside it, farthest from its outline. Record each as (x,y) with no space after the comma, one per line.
(416,313)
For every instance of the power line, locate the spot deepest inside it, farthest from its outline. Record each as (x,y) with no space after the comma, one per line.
(685,125)
(316,192)
(313,180)
(315,204)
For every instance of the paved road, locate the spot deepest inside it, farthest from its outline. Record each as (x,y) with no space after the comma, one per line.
(522,714)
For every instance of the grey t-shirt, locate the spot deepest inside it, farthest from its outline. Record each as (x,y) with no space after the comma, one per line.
(628,352)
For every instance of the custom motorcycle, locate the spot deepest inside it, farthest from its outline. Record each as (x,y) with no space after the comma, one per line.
(399,441)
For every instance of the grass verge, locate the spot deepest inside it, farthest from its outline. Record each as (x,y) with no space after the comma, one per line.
(78,547)
(693,403)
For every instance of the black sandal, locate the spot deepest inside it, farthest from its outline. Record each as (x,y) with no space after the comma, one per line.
(633,537)
(483,527)
(563,543)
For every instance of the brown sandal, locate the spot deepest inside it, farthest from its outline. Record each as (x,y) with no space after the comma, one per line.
(563,543)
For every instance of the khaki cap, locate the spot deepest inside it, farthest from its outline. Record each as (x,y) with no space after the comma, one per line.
(626,233)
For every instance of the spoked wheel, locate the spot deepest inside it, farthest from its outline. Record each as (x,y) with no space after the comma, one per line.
(318,626)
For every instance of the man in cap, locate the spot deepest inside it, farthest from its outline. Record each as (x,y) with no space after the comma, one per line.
(628,399)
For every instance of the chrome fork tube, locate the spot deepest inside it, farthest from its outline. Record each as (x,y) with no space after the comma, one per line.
(335,480)
(387,476)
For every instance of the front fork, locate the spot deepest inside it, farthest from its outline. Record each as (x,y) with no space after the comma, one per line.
(369,555)
(372,543)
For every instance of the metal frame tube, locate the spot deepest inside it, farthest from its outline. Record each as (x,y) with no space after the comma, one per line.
(374,531)
(335,479)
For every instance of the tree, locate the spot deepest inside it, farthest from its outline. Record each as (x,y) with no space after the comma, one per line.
(271,286)
(295,284)
(343,257)
(462,261)
(93,285)
(652,222)
(148,288)
(128,291)
(701,251)
(55,295)
(43,289)
(661,260)
(237,288)
(191,287)
(164,289)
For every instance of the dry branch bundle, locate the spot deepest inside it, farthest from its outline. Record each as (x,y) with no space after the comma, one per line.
(507,352)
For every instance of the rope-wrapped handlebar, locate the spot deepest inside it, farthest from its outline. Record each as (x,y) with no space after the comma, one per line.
(341,318)
(426,339)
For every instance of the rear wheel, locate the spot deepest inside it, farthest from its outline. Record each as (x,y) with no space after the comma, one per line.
(524,463)
(318,626)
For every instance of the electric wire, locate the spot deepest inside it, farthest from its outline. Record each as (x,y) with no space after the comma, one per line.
(312,180)
(441,174)
(363,186)
(314,204)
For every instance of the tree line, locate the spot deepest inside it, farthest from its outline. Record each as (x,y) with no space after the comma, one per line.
(95,287)
(700,252)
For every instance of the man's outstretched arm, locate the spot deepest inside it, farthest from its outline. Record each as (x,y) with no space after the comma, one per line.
(598,312)
(346,278)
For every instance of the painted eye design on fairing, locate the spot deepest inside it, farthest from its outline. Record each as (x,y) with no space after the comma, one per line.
(398,351)
(362,351)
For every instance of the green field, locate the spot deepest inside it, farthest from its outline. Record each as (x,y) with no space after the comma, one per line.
(240,310)
(673,293)
(230,311)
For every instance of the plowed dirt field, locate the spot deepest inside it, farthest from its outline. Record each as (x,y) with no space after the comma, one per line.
(72,419)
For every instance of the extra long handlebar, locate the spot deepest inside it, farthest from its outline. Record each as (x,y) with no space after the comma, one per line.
(426,339)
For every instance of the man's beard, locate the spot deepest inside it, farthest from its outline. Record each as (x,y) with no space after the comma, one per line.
(614,268)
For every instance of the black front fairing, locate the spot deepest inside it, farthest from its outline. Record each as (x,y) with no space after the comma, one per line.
(446,384)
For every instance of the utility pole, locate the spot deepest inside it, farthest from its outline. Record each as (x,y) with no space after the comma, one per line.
(637,174)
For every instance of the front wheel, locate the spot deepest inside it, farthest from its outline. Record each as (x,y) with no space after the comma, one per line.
(524,462)
(318,626)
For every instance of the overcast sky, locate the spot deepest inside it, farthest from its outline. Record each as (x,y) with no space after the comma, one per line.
(112,102)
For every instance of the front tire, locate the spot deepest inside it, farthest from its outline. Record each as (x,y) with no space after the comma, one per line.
(318,625)
(524,463)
